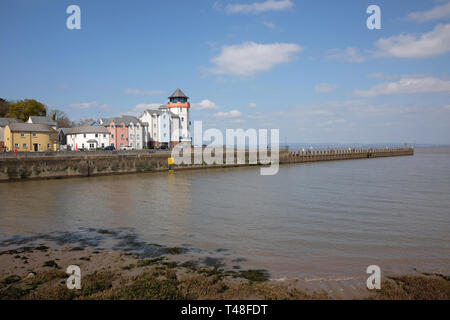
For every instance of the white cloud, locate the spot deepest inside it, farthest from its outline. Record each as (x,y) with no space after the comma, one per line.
(429,44)
(144,92)
(325,88)
(349,54)
(387,76)
(229,114)
(258,7)
(269,25)
(408,85)
(437,12)
(141,107)
(252,105)
(146,106)
(249,58)
(205,104)
(89,105)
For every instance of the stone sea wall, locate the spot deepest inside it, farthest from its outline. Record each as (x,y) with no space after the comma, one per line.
(85,164)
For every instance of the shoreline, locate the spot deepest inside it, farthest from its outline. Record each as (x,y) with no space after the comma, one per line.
(34,268)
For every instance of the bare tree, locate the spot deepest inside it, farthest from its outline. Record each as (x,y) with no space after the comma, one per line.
(61,118)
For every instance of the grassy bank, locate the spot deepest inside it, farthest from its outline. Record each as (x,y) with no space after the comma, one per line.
(156,278)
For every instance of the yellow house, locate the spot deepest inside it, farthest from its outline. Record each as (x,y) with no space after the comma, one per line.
(30,137)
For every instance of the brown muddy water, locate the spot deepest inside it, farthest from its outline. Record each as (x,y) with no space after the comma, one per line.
(311,221)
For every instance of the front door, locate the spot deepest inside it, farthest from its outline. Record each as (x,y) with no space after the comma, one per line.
(36,148)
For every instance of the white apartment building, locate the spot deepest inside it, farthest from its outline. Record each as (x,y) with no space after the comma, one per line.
(169,124)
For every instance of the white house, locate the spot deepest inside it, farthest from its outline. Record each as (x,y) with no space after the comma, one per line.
(88,137)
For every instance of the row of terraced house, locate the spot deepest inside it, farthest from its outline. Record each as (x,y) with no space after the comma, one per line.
(168,126)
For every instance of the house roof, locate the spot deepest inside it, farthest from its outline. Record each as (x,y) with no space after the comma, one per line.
(178,94)
(30,127)
(126,119)
(64,130)
(152,111)
(88,129)
(106,121)
(43,120)
(129,119)
(5,121)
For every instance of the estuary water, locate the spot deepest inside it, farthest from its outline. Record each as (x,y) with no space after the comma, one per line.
(328,219)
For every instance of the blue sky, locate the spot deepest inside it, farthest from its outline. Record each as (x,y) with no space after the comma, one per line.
(310,68)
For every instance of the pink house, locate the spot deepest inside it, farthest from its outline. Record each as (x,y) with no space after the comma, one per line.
(119,132)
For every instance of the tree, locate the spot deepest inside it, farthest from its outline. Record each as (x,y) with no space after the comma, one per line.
(84,121)
(23,109)
(61,118)
(4,107)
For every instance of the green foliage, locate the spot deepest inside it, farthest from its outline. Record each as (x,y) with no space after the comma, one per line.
(4,108)
(23,109)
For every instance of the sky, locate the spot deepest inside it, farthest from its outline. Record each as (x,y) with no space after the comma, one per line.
(312,69)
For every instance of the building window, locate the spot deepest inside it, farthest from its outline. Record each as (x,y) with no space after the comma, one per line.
(182,119)
(91,146)
(104,136)
(34,134)
(122,136)
(16,145)
(48,145)
(164,125)
(22,134)
(96,135)
(24,145)
(50,136)
(82,145)
(112,136)
(103,145)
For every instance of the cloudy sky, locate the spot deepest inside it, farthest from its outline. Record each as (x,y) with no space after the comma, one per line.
(310,68)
